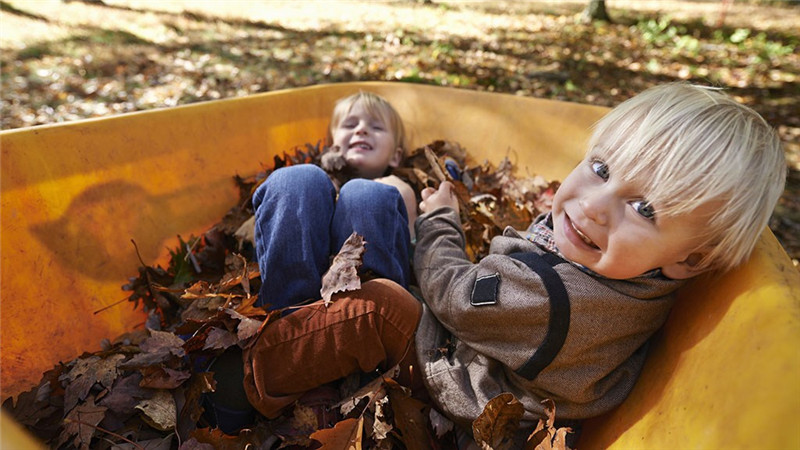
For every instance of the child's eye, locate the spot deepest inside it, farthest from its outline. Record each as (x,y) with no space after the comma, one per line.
(644,209)
(601,169)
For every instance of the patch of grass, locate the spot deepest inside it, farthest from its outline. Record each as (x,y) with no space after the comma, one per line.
(111,37)
(37,51)
(98,36)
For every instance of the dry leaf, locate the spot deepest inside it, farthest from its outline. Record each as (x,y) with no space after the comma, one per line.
(194,444)
(333,160)
(380,426)
(82,422)
(219,338)
(247,327)
(560,439)
(81,379)
(246,233)
(160,411)
(550,412)
(241,272)
(346,435)
(157,377)
(495,427)
(408,416)
(164,443)
(214,439)
(342,276)
(300,427)
(545,436)
(373,390)
(436,166)
(304,418)
(163,342)
(199,289)
(125,394)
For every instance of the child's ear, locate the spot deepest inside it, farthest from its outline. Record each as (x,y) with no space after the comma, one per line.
(684,269)
(397,158)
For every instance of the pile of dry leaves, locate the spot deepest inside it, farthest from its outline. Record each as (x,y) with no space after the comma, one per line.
(144,390)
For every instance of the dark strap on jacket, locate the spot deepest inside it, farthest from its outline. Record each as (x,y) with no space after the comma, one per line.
(559,312)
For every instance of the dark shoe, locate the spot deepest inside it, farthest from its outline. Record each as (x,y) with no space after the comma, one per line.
(227,408)
(229,421)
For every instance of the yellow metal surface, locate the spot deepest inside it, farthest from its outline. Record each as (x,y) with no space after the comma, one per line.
(14,437)
(723,375)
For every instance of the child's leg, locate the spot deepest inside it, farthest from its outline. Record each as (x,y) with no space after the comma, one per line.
(360,331)
(377,212)
(293,208)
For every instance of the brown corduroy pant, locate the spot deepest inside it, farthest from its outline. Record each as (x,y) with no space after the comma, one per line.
(364,330)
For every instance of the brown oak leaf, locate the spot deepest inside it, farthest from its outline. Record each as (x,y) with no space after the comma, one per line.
(82,422)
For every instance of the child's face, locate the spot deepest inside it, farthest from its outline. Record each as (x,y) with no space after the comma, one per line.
(367,143)
(601,221)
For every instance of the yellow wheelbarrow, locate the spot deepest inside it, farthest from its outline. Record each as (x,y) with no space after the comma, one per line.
(724,373)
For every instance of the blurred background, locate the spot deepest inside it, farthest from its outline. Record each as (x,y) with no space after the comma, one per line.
(63,60)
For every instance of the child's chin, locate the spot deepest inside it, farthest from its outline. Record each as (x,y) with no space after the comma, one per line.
(355,161)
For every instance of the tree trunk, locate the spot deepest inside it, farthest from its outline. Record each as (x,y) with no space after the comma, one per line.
(596,10)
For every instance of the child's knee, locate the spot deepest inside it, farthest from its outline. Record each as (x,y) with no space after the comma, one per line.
(384,287)
(294,176)
(291,180)
(387,293)
(366,193)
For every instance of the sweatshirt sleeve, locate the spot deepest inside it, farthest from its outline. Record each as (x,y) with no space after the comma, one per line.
(498,306)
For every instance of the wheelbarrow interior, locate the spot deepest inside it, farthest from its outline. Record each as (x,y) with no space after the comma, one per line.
(723,372)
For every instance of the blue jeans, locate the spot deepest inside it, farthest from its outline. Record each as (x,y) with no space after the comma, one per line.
(300,223)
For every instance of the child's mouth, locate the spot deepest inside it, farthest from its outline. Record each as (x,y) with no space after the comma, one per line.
(361,145)
(583,237)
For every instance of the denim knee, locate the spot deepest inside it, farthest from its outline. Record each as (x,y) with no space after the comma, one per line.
(288,180)
(369,195)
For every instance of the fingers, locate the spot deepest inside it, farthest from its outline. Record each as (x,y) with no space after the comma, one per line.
(447,187)
(434,198)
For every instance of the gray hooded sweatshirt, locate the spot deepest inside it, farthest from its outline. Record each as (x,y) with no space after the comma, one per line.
(528,322)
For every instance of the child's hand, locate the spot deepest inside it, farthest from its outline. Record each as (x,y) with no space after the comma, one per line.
(435,198)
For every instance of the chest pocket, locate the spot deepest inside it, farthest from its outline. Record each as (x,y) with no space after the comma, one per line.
(559,312)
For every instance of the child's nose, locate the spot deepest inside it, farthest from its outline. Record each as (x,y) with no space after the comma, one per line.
(361,129)
(595,206)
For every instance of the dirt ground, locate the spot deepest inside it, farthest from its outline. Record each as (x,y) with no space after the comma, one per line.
(72,59)
(471,16)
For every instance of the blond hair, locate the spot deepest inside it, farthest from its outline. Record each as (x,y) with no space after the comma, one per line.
(376,106)
(691,145)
